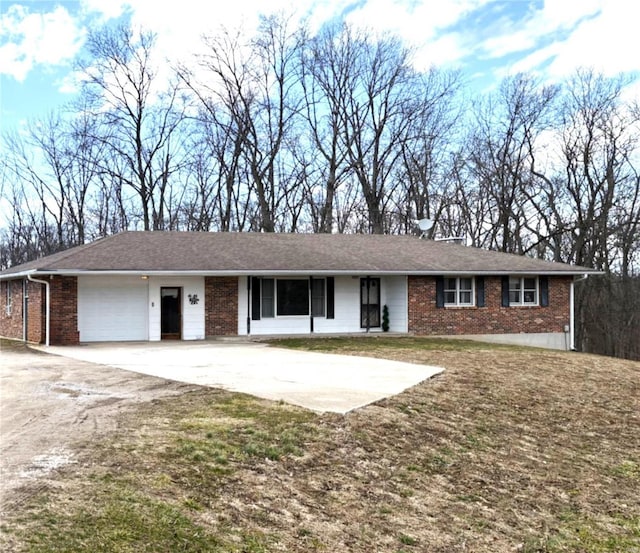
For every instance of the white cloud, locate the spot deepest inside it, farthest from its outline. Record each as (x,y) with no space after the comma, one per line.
(30,39)
(105,9)
(532,62)
(418,23)
(518,41)
(566,13)
(179,28)
(552,39)
(609,42)
(447,50)
(69,83)
(540,24)
(562,36)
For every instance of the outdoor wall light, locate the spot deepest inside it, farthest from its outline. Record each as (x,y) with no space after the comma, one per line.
(144,277)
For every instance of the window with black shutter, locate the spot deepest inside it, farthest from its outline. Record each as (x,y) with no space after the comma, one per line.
(255,299)
(544,291)
(439,291)
(330,298)
(505,291)
(480,302)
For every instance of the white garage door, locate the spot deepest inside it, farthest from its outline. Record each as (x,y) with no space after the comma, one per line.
(112,309)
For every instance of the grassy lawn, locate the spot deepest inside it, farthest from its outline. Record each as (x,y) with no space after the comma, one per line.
(509,450)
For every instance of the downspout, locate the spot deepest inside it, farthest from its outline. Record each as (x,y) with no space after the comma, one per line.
(48,310)
(25,310)
(572,315)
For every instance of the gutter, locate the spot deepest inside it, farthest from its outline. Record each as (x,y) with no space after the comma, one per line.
(48,311)
(572,323)
(298,272)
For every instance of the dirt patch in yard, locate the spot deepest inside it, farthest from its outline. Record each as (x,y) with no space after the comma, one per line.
(508,450)
(48,404)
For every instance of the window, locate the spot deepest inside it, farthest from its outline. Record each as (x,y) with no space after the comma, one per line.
(523,291)
(317,297)
(268,297)
(458,291)
(286,297)
(9,301)
(293,297)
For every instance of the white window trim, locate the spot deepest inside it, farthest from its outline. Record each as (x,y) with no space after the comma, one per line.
(523,303)
(458,291)
(9,298)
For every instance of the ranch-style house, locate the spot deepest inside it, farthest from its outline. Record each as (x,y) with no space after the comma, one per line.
(196,285)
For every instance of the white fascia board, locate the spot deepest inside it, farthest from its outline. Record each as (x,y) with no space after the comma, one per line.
(21,274)
(258,272)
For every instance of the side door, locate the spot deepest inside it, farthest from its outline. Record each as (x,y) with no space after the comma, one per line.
(170,313)
(369,303)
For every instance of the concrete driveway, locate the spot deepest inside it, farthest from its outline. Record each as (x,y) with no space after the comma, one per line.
(317,381)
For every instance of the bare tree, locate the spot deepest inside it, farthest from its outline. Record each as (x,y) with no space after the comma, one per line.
(55,162)
(378,115)
(598,141)
(328,78)
(252,96)
(425,184)
(139,121)
(217,167)
(499,148)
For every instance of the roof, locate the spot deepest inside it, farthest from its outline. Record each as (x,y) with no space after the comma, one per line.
(229,253)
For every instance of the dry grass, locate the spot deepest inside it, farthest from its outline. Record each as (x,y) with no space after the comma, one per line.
(508,450)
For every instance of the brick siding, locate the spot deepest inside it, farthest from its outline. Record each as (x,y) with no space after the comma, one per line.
(36,321)
(64,311)
(11,324)
(427,319)
(221,310)
(221,306)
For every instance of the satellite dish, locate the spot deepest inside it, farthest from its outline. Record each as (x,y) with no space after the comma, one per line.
(424,225)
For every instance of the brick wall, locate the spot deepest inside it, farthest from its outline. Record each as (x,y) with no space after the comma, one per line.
(221,306)
(11,321)
(425,318)
(64,311)
(11,324)
(36,321)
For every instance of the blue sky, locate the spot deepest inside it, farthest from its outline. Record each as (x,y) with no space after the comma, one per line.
(486,39)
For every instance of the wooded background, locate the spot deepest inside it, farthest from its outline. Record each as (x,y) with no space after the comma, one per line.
(337,132)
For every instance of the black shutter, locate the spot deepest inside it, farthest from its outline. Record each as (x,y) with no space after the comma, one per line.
(255,298)
(311,304)
(505,291)
(544,291)
(330,298)
(480,291)
(439,291)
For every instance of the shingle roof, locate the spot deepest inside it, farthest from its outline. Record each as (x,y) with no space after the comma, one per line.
(264,253)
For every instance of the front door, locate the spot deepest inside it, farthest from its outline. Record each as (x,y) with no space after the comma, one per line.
(369,303)
(170,313)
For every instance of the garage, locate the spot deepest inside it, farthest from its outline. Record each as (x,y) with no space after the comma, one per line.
(112,309)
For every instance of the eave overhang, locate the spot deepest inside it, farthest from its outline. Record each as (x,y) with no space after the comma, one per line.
(288,272)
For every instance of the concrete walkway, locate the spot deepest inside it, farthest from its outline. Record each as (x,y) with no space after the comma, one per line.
(317,381)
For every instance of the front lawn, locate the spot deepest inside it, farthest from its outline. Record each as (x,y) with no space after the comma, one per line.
(510,449)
